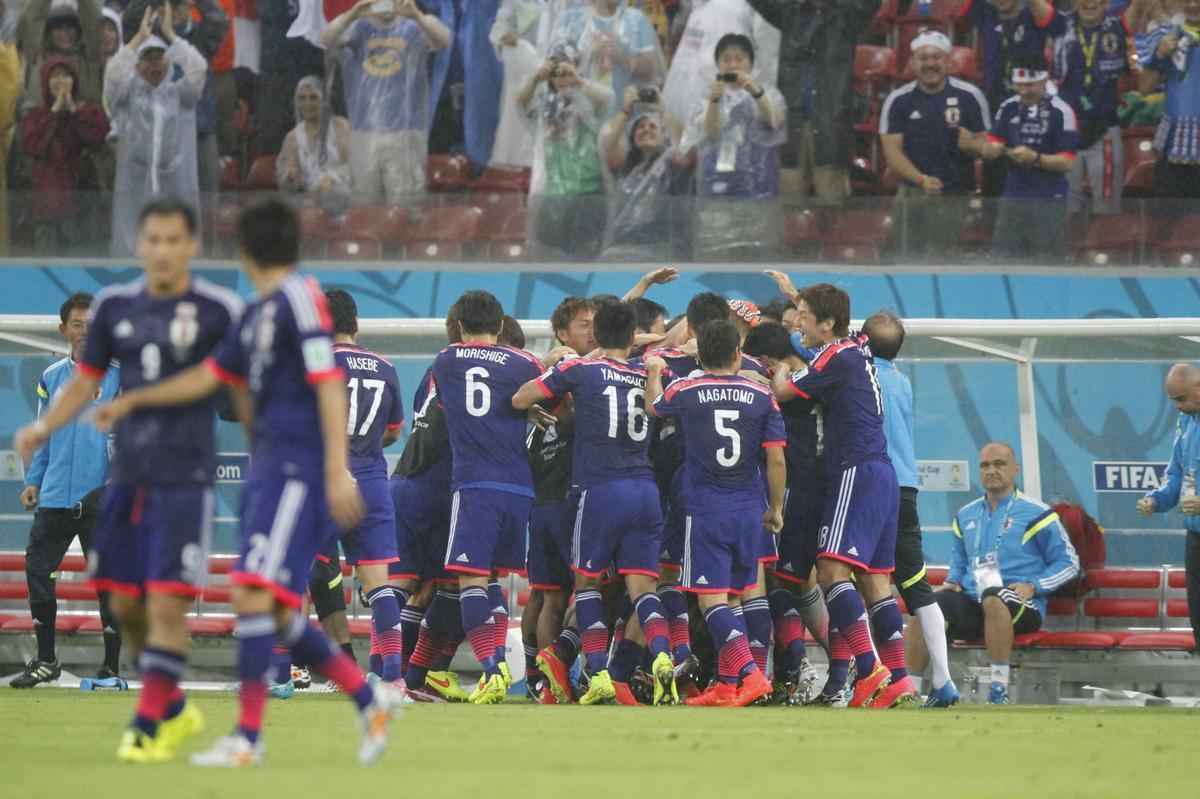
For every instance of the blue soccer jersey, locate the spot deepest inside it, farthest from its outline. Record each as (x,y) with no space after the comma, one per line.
(375,406)
(1047,128)
(1006,42)
(475,384)
(281,349)
(726,420)
(154,338)
(842,378)
(611,425)
(930,124)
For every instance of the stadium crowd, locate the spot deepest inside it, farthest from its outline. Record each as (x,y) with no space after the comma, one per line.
(636,129)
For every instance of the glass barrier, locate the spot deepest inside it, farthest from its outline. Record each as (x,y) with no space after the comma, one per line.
(499,223)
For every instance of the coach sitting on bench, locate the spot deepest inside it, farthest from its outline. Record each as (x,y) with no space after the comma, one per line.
(1010,552)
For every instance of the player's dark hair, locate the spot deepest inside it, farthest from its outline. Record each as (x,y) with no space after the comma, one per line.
(80,300)
(774,309)
(597,299)
(169,206)
(706,307)
(648,312)
(885,332)
(269,233)
(615,324)
(718,344)
(827,301)
(737,40)
(511,333)
(565,313)
(479,312)
(453,331)
(344,312)
(769,340)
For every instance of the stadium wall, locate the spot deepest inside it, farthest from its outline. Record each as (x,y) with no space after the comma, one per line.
(1102,424)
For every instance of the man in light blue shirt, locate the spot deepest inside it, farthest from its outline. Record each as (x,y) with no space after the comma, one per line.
(62,482)
(1183,389)
(885,332)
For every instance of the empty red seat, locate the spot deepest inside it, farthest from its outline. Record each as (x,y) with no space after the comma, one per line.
(857,236)
(881,23)
(1116,239)
(78,591)
(508,243)
(1182,640)
(1177,608)
(1076,640)
(502,181)
(11,562)
(223,220)
(209,627)
(444,172)
(1177,578)
(1121,607)
(1140,159)
(440,232)
(62,624)
(314,222)
(92,624)
(261,176)
(871,62)
(936,574)
(1178,240)
(1058,606)
(355,249)
(73,563)
(231,178)
(221,594)
(360,628)
(12,589)
(1027,639)
(382,223)
(801,230)
(1124,578)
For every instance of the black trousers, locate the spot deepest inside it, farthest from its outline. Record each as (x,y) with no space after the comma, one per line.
(1191,563)
(51,535)
(910,555)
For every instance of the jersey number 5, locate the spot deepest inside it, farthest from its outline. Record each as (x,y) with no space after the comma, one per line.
(730,455)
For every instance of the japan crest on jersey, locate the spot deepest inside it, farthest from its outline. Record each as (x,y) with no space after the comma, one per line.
(183,330)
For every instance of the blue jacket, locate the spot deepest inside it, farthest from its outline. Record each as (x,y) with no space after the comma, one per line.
(1181,471)
(75,459)
(1029,540)
(898,421)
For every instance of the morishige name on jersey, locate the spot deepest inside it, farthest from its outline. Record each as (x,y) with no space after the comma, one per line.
(477,354)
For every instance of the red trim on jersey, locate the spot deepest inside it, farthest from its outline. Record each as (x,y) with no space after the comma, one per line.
(645,572)
(507,572)
(471,570)
(395,425)
(547,393)
(376,562)
(172,587)
(591,574)
(529,356)
(335,373)
(550,586)
(281,593)
(1068,155)
(881,571)
(765,559)
(965,9)
(994,139)
(404,575)
(324,558)
(822,360)
(226,377)
(688,590)
(788,577)
(769,444)
(798,390)
(115,587)
(319,302)
(708,380)
(88,370)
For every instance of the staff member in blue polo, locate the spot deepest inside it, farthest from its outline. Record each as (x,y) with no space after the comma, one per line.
(932,129)
(63,483)
(885,333)
(1183,389)
(1038,135)
(1010,553)
(1090,56)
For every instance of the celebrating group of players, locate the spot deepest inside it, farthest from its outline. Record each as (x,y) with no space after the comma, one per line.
(717,459)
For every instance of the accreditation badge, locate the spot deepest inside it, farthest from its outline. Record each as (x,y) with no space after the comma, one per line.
(987,572)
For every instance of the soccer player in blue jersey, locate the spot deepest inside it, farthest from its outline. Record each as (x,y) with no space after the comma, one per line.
(155,526)
(375,420)
(618,517)
(491,479)
(282,353)
(862,500)
(725,420)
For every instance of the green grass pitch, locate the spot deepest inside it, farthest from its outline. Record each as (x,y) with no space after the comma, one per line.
(60,743)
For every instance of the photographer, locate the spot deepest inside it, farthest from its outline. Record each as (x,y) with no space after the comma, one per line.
(151,88)
(567,185)
(738,134)
(205,34)
(649,207)
(383,46)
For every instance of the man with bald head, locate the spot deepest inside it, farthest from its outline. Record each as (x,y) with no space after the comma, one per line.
(1183,389)
(1010,553)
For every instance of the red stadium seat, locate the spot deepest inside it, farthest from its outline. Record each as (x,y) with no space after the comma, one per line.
(384,224)
(502,181)
(209,627)
(12,562)
(360,628)
(874,73)
(92,624)
(1077,640)
(801,231)
(1178,241)
(1177,578)
(1165,641)
(231,178)
(447,173)
(1058,606)
(1124,578)
(354,249)
(936,574)
(440,232)
(857,236)
(221,594)
(1120,607)
(261,176)
(509,243)
(1111,240)
(14,590)
(1140,159)
(78,592)
(62,624)
(1177,609)
(1027,639)
(73,563)
(881,23)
